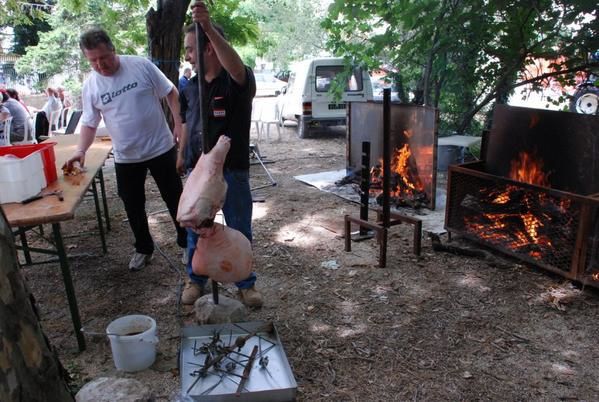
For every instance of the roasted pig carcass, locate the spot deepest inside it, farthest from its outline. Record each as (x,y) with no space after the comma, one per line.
(205,190)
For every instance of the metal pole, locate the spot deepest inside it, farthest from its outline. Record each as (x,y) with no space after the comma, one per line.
(202,103)
(365,185)
(201,71)
(386,155)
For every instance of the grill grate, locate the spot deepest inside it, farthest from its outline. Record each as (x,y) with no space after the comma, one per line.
(531,224)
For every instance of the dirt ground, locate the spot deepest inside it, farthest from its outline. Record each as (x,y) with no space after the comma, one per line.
(428,328)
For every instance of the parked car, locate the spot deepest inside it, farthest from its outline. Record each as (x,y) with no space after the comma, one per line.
(307,99)
(268,85)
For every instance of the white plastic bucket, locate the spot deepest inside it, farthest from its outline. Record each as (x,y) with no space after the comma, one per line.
(133,342)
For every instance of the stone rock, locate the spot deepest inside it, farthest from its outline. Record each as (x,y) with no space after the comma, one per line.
(109,389)
(227,310)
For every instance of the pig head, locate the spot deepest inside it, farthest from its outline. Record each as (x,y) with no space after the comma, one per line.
(205,190)
(224,255)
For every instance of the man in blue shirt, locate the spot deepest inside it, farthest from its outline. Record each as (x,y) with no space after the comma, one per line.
(184,78)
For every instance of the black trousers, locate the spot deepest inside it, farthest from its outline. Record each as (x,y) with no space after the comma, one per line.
(131,178)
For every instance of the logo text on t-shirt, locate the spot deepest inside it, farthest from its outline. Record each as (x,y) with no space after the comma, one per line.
(108,96)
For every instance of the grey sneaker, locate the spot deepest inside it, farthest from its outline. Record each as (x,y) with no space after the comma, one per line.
(139,261)
(184,257)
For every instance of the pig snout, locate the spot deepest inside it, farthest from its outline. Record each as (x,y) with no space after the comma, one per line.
(224,255)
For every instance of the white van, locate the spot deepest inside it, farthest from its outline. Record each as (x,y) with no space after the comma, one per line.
(307,100)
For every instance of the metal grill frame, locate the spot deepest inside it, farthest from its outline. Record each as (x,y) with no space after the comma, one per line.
(588,206)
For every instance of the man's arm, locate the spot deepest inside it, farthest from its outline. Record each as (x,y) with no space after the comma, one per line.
(181,168)
(227,56)
(86,139)
(172,99)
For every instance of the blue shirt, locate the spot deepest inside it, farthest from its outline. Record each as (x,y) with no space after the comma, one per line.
(183,82)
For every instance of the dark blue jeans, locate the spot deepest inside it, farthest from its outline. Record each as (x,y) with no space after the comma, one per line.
(238,215)
(131,178)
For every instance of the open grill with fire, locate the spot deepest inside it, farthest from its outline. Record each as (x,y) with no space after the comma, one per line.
(396,167)
(535,193)
(412,145)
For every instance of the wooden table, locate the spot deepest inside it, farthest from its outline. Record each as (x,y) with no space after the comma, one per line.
(50,210)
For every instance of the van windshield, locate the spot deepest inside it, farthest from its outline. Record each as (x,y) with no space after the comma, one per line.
(325,75)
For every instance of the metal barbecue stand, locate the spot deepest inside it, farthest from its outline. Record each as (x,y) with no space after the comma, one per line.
(235,362)
(384,214)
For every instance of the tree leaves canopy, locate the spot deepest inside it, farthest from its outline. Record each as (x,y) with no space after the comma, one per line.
(463,55)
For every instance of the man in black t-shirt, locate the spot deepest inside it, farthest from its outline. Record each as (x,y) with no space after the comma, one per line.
(230,88)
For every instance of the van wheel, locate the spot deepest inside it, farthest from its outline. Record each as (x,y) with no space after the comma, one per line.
(586,101)
(302,129)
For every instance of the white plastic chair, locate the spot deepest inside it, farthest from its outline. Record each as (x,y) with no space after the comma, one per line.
(5,133)
(29,133)
(65,115)
(54,120)
(72,123)
(256,118)
(268,117)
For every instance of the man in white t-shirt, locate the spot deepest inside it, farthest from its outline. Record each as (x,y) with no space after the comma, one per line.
(126,91)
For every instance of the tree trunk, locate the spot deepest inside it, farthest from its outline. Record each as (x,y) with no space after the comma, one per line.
(165,31)
(29,368)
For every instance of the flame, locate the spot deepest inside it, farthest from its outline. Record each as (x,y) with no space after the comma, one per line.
(529,169)
(520,219)
(595,276)
(406,183)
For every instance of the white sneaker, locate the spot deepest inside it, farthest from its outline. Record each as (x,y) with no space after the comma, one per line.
(139,261)
(184,257)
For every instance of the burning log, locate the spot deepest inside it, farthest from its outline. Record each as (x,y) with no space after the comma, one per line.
(520,219)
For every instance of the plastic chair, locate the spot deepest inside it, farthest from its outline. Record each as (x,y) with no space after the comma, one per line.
(268,117)
(5,133)
(65,115)
(256,111)
(29,134)
(71,126)
(54,120)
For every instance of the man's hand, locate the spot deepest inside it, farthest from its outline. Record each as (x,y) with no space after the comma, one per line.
(180,164)
(199,13)
(78,156)
(177,132)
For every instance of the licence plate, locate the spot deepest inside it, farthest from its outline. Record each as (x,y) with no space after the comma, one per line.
(336,106)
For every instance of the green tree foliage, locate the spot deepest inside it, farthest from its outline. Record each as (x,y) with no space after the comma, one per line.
(27,33)
(58,49)
(125,21)
(463,55)
(290,30)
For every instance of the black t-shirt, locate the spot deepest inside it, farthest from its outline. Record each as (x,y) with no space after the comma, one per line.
(229,112)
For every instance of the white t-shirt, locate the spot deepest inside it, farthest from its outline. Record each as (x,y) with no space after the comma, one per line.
(51,105)
(129,101)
